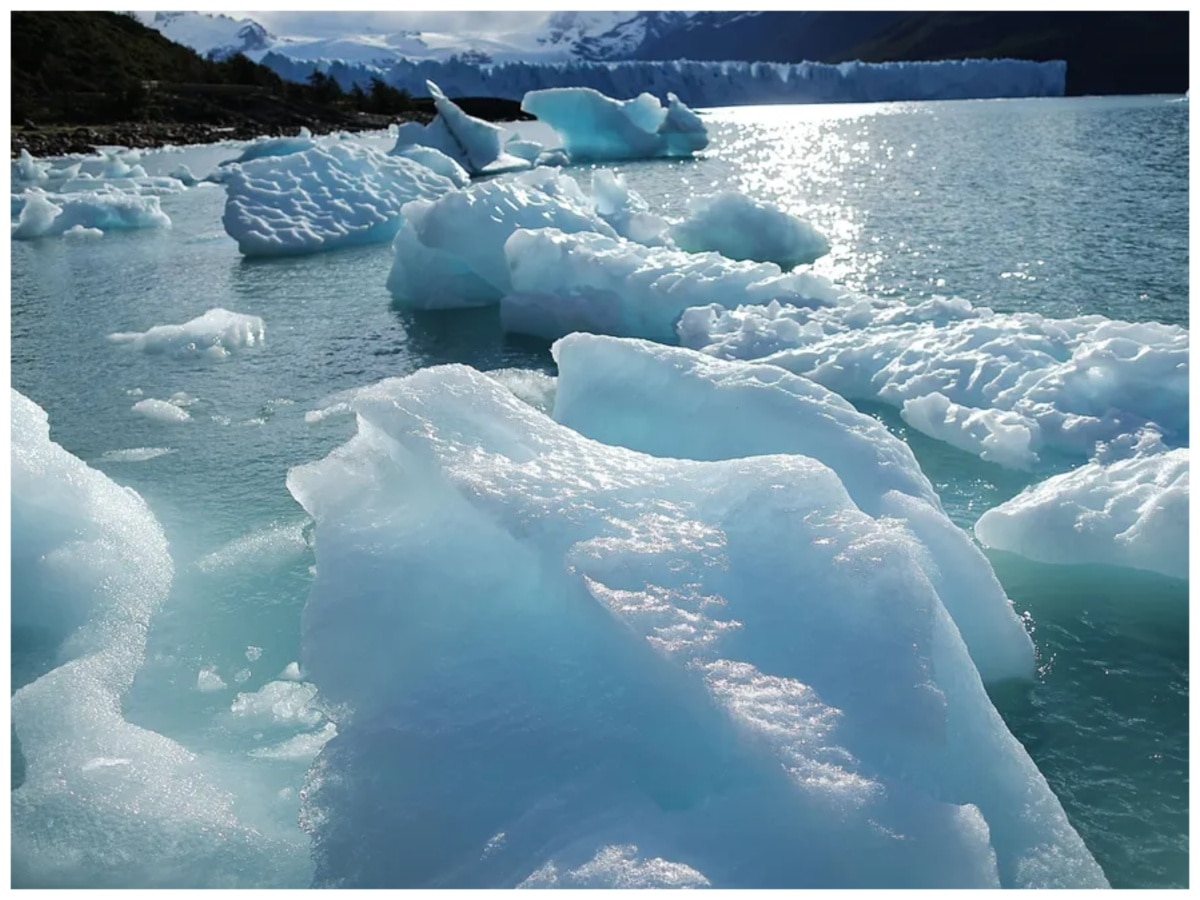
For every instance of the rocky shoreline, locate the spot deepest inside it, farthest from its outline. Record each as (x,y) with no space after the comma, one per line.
(61,140)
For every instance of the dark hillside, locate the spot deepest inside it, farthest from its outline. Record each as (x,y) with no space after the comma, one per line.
(85,78)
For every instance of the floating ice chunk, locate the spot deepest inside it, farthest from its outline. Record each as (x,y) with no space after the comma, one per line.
(161,410)
(725,663)
(265,147)
(135,454)
(81,231)
(450,252)
(595,127)
(208,680)
(618,868)
(253,654)
(435,159)
(1010,385)
(1131,512)
(475,144)
(215,334)
(626,211)
(25,168)
(53,214)
(327,197)
(117,165)
(184,176)
(279,703)
(739,227)
(303,747)
(664,401)
(141,185)
(524,149)
(291,672)
(590,282)
(555,157)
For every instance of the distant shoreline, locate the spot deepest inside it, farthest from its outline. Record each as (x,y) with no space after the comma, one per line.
(62,139)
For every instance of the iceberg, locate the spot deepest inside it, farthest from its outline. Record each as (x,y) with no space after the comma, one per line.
(1129,512)
(117,164)
(102,802)
(739,227)
(342,195)
(45,215)
(725,664)
(473,143)
(451,251)
(25,168)
(1011,387)
(607,285)
(215,334)
(667,401)
(595,127)
(523,149)
(265,147)
(626,211)
(436,160)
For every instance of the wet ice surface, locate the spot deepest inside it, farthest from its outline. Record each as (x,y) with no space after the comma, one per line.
(1106,718)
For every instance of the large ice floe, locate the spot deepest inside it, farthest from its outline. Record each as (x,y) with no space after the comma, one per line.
(595,127)
(1127,512)
(476,145)
(664,400)
(98,801)
(339,195)
(1007,387)
(215,334)
(655,670)
(43,214)
(739,227)
(593,282)
(450,251)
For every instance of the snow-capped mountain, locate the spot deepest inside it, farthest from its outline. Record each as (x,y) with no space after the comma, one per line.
(560,37)
(626,35)
(211,34)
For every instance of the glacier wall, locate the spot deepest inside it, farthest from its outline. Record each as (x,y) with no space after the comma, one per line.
(710,83)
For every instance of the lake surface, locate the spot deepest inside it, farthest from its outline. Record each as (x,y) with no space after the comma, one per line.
(1062,207)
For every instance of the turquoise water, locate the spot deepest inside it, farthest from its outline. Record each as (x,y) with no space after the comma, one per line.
(1062,207)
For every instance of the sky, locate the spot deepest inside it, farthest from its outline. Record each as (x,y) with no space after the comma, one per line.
(454,22)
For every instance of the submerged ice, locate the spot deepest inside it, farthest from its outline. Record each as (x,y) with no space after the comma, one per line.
(101,802)
(725,663)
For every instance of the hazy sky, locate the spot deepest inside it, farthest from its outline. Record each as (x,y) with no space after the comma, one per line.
(324,23)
